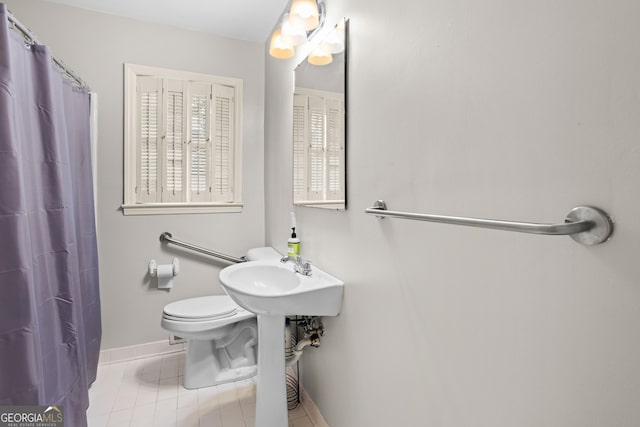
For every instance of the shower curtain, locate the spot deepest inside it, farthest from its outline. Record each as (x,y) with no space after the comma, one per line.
(49,299)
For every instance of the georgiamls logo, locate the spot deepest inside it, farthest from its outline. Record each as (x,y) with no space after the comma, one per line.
(31,416)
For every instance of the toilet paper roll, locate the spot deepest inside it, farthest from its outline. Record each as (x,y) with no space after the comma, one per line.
(165,276)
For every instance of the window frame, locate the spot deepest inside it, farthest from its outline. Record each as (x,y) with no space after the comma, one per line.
(130,205)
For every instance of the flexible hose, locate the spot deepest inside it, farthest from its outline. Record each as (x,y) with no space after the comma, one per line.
(297,352)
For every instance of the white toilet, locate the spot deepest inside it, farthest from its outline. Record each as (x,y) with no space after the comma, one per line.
(222,339)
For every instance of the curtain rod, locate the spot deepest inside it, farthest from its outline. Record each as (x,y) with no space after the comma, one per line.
(32,39)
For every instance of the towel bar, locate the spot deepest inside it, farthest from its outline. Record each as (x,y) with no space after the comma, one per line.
(586,225)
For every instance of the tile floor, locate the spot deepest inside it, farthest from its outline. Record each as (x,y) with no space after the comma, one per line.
(148,393)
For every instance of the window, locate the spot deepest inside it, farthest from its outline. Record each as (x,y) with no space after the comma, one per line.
(183,146)
(318,147)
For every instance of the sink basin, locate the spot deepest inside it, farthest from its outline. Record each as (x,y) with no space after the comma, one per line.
(263,280)
(270,287)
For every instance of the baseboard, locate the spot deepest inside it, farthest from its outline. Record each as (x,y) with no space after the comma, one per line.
(311,409)
(150,349)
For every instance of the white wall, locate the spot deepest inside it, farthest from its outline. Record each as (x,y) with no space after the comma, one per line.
(96,46)
(497,109)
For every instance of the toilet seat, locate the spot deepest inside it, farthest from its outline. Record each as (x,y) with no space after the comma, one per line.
(201,309)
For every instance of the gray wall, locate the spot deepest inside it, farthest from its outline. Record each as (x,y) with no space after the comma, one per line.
(500,109)
(96,46)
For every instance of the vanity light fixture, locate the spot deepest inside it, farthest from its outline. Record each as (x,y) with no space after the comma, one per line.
(323,54)
(279,48)
(335,40)
(305,14)
(292,33)
(320,56)
(298,25)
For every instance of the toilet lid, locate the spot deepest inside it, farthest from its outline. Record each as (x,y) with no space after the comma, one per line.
(202,308)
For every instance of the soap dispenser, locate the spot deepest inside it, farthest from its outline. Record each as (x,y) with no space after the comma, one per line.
(293,244)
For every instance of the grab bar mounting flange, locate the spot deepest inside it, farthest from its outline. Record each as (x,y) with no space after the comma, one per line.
(601,225)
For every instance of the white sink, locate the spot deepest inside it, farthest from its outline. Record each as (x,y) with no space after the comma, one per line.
(261,279)
(273,290)
(270,287)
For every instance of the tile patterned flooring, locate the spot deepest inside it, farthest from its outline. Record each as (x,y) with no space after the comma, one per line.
(148,393)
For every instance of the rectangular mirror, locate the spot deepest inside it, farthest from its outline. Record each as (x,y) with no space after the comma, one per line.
(319,124)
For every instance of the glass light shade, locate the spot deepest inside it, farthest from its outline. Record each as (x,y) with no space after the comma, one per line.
(305,14)
(334,42)
(320,56)
(278,48)
(292,32)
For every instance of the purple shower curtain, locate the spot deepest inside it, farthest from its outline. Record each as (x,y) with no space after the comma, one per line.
(49,298)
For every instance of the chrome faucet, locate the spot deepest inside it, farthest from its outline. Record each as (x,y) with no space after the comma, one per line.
(300,265)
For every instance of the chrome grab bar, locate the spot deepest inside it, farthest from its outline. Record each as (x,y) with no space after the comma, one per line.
(166,237)
(585,224)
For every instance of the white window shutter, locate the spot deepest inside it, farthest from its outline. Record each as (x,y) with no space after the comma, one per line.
(300,147)
(223,137)
(200,175)
(148,135)
(173,167)
(335,149)
(316,158)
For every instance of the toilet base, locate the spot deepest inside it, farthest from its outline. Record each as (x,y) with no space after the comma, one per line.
(231,358)
(208,379)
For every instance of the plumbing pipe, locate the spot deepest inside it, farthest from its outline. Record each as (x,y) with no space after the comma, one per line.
(297,352)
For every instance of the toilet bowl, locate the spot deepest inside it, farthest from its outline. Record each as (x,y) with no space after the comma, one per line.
(222,339)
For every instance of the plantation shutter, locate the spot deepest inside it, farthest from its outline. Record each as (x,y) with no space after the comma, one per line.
(299,147)
(173,168)
(316,170)
(200,141)
(149,100)
(335,149)
(223,137)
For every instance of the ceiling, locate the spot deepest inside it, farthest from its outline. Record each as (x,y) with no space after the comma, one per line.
(250,20)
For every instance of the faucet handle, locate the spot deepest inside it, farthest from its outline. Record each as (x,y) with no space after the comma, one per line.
(303,262)
(305,266)
(300,265)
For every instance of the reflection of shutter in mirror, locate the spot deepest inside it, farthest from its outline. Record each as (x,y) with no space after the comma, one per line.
(299,183)
(316,147)
(335,151)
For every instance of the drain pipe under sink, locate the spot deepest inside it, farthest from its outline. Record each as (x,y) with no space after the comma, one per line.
(313,330)
(313,340)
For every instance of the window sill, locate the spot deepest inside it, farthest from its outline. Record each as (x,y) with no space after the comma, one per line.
(327,204)
(180,208)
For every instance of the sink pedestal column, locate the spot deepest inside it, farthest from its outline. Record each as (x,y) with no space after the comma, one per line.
(271,393)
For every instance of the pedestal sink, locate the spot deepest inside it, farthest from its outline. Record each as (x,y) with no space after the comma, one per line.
(273,290)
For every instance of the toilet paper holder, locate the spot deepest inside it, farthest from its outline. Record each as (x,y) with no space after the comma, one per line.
(164,272)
